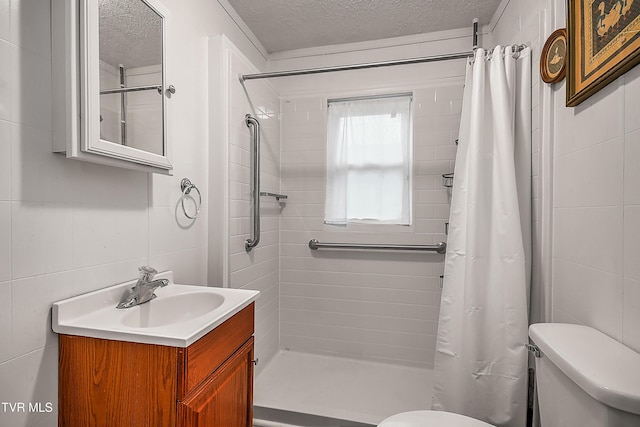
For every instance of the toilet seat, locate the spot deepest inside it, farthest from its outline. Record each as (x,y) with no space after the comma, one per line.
(431,419)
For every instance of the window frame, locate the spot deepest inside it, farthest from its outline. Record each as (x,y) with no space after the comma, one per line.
(405,164)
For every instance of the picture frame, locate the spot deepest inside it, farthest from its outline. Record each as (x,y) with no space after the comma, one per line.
(553,58)
(604,43)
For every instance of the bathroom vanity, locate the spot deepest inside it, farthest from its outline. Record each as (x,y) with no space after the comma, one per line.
(138,369)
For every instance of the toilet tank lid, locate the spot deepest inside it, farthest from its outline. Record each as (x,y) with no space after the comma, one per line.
(603,367)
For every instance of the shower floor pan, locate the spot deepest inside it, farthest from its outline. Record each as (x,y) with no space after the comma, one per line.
(304,389)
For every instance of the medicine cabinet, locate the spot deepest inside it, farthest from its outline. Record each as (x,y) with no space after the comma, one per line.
(110,95)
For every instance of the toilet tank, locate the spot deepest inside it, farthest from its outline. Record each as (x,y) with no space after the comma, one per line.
(585,378)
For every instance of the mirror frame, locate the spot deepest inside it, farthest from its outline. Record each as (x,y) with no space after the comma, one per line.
(90,90)
(76,85)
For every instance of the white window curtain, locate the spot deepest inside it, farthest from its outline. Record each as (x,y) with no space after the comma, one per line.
(369,156)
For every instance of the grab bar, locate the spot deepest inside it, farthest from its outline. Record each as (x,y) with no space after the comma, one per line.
(439,248)
(276,195)
(255,190)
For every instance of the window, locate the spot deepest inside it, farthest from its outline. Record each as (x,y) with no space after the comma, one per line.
(369,146)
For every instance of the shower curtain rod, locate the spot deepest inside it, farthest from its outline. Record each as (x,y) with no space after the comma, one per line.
(434,58)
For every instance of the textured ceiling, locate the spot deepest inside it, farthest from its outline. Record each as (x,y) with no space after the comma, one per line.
(294,24)
(130,33)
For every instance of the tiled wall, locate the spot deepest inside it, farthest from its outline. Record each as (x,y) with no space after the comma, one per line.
(596,280)
(596,201)
(257,269)
(68,227)
(376,306)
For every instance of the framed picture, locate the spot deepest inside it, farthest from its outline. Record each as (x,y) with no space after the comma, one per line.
(604,43)
(552,59)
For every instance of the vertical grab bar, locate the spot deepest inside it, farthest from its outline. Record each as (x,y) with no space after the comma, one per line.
(255,191)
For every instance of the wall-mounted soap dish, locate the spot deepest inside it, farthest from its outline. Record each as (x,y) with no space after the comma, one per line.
(447,180)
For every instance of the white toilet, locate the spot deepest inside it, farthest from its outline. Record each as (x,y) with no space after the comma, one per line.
(583,377)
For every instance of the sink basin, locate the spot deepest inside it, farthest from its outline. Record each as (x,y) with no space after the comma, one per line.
(178,316)
(172,309)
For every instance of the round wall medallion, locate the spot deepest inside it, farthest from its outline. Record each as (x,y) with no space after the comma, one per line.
(552,60)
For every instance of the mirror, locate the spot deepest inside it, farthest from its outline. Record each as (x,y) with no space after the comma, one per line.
(131,107)
(110,72)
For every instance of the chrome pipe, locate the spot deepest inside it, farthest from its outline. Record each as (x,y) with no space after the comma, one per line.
(123,107)
(301,72)
(132,89)
(475,34)
(439,248)
(251,121)
(434,58)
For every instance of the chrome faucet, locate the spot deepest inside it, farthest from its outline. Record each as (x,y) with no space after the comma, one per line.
(144,289)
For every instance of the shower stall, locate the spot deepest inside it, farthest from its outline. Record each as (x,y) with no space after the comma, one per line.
(344,336)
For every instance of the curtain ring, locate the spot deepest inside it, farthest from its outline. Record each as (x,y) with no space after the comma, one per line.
(186,187)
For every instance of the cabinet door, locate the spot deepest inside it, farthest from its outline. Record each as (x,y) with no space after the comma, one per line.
(225,399)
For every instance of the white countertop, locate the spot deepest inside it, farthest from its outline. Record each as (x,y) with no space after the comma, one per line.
(178,317)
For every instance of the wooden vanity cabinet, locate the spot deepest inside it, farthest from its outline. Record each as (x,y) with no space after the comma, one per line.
(117,383)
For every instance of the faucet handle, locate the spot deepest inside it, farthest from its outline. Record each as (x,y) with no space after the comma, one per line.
(147,273)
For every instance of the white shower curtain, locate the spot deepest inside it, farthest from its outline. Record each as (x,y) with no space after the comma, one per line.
(481,359)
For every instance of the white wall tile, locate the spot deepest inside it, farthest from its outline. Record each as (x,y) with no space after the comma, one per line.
(30,89)
(378,323)
(5,159)
(165,190)
(632,241)
(37,174)
(581,234)
(33,378)
(343,303)
(131,233)
(6,82)
(356,335)
(5,19)
(6,350)
(592,296)
(31,301)
(5,241)
(188,266)
(590,177)
(41,238)
(169,231)
(31,26)
(94,237)
(631,169)
(631,318)
(362,308)
(50,421)
(361,293)
(89,279)
(600,118)
(632,99)
(101,187)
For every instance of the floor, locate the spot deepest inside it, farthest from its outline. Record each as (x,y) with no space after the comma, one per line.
(340,388)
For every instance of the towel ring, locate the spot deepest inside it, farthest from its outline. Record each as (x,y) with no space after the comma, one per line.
(186,187)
